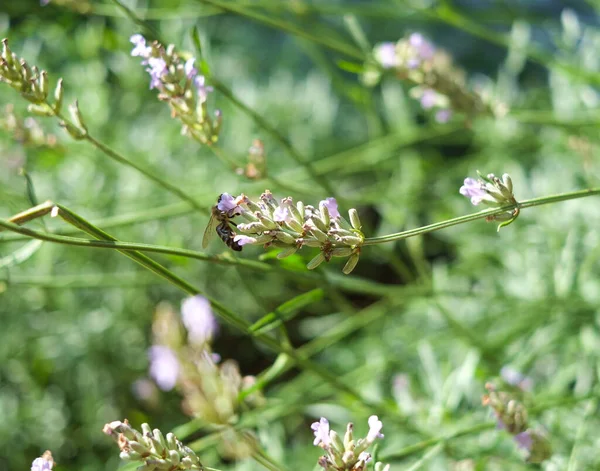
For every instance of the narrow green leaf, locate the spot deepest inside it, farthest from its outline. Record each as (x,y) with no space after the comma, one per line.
(352,67)
(20,255)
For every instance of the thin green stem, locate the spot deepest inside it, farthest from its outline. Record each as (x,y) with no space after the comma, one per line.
(155,214)
(482,214)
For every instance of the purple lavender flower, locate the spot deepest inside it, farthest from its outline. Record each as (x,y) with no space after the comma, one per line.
(473,189)
(524,440)
(386,55)
(428,99)
(332,207)
(201,88)
(321,431)
(140,48)
(443,116)
(243,239)
(425,50)
(375,426)
(164,366)
(282,212)
(190,70)
(157,70)
(198,319)
(227,204)
(41,464)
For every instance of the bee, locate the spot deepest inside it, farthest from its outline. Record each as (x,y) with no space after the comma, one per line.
(219,223)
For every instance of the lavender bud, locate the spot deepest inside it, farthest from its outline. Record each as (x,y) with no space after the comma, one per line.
(172,442)
(351,264)
(77,118)
(139,448)
(318,233)
(315,262)
(342,252)
(130,456)
(507,181)
(174,457)
(300,209)
(287,252)
(285,238)
(58,96)
(354,219)
(349,435)
(324,214)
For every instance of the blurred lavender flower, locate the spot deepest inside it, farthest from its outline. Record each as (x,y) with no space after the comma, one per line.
(385,54)
(201,87)
(140,49)
(375,426)
(516,378)
(428,99)
(190,70)
(164,366)
(439,84)
(524,440)
(180,85)
(44,3)
(321,431)
(157,70)
(443,116)
(43,463)
(423,49)
(198,319)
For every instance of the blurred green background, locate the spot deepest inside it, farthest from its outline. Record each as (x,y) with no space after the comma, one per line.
(447,310)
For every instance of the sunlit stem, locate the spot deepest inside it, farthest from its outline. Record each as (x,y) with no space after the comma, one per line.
(481,215)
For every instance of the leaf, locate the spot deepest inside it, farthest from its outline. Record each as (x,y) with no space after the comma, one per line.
(352,67)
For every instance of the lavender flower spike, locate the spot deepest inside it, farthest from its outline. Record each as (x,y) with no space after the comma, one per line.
(321,431)
(474,190)
(198,319)
(164,366)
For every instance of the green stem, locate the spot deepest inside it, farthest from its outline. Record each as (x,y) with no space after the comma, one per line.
(482,214)
(163,212)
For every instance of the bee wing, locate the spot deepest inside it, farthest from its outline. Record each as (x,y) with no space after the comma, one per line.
(210,231)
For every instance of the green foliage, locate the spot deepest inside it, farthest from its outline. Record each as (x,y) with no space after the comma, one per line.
(420,326)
